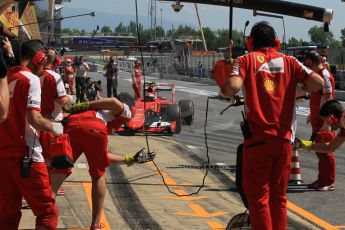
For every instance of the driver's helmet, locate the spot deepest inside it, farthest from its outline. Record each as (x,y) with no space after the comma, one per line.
(68,62)
(150,97)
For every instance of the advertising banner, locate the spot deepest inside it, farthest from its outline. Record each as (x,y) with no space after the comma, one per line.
(29,16)
(10,19)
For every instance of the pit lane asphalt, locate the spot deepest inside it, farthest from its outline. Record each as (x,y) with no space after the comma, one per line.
(224,135)
(125,207)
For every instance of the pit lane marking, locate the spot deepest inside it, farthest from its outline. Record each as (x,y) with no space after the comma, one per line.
(309,216)
(215,225)
(302,213)
(200,212)
(87,188)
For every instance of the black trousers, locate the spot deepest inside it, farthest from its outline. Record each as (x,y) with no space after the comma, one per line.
(80,89)
(112,87)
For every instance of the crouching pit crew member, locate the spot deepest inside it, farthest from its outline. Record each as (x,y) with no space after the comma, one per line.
(87,127)
(332,113)
(22,168)
(321,133)
(268,80)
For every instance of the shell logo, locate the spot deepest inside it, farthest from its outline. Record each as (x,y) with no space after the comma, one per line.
(270,85)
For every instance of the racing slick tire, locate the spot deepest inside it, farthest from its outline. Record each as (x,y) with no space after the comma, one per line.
(187,111)
(174,114)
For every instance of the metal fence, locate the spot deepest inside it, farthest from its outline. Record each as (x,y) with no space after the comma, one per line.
(193,66)
(189,65)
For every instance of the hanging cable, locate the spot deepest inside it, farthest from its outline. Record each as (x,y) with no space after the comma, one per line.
(146,132)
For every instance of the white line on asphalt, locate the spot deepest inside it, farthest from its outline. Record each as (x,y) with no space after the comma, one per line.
(190,146)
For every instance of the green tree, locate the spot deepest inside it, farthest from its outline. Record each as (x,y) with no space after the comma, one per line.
(237,38)
(146,35)
(319,36)
(342,37)
(75,31)
(120,28)
(106,30)
(222,38)
(66,31)
(132,27)
(294,42)
(160,31)
(210,37)
(335,44)
(82,32)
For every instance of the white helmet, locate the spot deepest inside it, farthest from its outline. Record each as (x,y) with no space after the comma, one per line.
(150,97)
(68,62)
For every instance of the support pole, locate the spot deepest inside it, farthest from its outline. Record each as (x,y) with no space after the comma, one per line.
(200,26)
(51,23)
(231,13)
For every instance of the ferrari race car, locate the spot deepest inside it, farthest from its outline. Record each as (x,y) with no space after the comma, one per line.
(162,116)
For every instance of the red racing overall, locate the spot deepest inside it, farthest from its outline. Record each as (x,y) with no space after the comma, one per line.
(137,73)
(52,89)
(88,135)
(269,89)
(327,162)
(17,137)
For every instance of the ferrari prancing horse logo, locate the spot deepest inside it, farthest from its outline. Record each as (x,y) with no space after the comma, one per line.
(261,58)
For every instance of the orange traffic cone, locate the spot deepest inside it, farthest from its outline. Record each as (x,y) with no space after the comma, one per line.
(295,171)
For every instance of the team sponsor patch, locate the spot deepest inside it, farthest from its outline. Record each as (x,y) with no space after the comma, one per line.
(260,58)
(274,66)
(269,85)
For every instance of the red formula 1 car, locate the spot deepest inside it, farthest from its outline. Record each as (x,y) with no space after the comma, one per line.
(162,116)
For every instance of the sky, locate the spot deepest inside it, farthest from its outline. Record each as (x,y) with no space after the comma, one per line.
(217,17)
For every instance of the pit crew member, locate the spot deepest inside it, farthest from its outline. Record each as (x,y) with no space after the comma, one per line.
(53,98)
(136,78)
(88,134)
(68,72)
(22,167)
(268,80)
(332,113)
(327,164)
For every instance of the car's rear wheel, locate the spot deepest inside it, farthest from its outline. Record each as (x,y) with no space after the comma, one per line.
(187,111)
(174,114)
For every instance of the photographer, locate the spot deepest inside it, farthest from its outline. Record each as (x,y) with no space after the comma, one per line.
(22,168)
(269,81)
(93,89)
(111,73)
